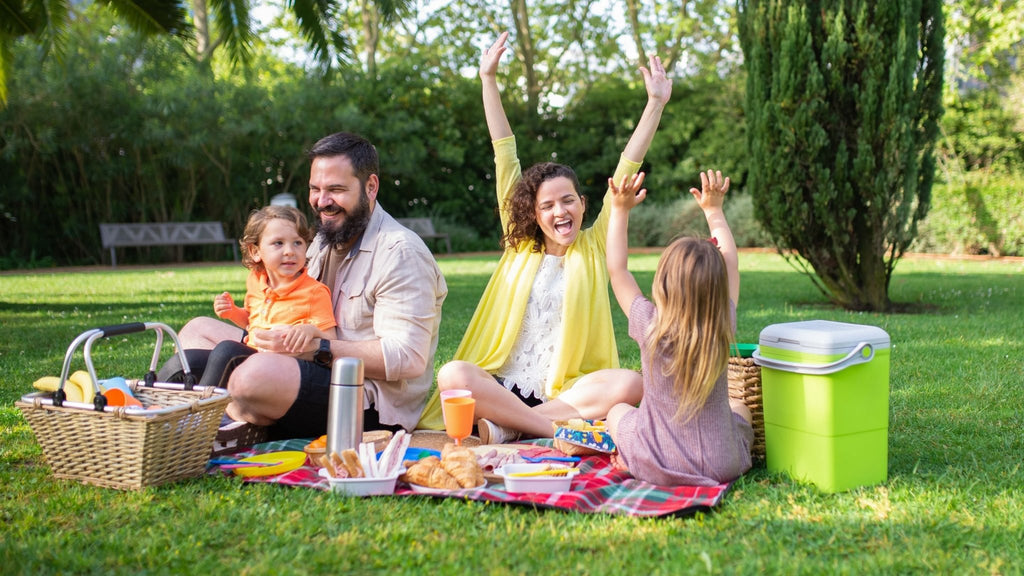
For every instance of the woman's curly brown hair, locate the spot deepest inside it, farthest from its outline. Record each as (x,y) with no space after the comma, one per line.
(521,205)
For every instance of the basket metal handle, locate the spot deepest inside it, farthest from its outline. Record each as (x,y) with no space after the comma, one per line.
(856,356)
(90,336)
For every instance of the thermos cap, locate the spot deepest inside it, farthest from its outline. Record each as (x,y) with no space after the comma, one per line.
(347,372)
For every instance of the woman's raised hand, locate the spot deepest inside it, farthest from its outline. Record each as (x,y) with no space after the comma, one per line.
(490,58)
(659,85)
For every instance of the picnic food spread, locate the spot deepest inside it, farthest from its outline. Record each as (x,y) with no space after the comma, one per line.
(457,468)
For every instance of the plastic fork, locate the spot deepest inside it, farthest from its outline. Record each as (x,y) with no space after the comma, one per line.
(551,458)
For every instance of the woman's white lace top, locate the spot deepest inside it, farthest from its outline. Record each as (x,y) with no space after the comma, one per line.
(529,363)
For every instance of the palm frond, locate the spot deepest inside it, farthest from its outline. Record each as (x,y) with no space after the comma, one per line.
(319,28)
(5,66)
(392,10)
(233,23)
(18,18)
(153,16)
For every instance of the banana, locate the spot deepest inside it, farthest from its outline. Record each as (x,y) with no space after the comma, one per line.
(78,387)
(47,383)
(84,382)
(72,391)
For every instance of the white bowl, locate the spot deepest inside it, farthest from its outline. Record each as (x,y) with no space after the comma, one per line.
(361,486)
(542,484)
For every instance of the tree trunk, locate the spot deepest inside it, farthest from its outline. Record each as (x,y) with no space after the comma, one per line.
(527,55)
(371,36)
(200,19)
(633,14)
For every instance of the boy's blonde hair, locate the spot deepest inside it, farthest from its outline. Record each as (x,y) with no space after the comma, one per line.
(257,223)
(692,327)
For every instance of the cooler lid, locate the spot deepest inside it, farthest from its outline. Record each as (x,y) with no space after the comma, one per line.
(822,336)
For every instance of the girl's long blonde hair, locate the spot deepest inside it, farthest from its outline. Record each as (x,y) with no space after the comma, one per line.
(693,326)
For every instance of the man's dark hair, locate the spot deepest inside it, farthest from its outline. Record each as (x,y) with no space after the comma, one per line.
(357,149)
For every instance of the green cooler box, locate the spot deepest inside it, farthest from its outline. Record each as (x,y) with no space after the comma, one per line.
(825,388)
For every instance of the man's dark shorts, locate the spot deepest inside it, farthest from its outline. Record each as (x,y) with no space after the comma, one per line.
(307,417)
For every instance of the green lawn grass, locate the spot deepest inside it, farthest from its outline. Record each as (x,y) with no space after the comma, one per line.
(953,503)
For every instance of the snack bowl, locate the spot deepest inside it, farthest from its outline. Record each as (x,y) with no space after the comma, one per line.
(361,486)
(542,484)
(318,447)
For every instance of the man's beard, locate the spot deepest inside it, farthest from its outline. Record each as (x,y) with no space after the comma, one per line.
(340,233)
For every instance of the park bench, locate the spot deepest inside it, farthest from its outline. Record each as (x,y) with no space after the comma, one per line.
(163,234)
(424,227)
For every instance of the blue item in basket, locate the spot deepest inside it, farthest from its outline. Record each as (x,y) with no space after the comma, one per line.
(419,453)
(595,440)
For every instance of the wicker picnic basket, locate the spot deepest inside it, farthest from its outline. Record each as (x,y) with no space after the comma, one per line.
(169,438)
(745,384)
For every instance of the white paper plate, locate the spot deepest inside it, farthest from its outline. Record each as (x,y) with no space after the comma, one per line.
(427,490)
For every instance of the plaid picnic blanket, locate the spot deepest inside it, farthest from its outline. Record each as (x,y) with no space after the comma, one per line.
(598,488)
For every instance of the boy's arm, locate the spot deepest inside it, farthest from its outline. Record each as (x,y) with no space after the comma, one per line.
(300,336)
(494,112)
(622,199)
(224,307)
(711,198)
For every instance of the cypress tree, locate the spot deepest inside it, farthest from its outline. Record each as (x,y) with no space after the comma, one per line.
(843,102)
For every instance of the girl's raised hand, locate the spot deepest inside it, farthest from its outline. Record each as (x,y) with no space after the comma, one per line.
(490,58)
(630,193)
(659,85)
(713,189)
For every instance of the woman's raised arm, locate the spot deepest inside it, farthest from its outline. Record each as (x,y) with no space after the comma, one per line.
(497,121)
(659,90)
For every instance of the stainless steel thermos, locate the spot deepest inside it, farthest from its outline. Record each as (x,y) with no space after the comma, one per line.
(345,411)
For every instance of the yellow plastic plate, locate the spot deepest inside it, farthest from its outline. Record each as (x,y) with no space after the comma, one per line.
(289,460)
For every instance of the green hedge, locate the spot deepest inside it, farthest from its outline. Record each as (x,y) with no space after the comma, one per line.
(980,213)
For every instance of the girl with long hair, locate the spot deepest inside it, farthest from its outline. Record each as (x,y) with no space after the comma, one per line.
(686,430)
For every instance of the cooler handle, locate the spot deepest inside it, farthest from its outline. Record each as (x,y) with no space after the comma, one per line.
(853,358)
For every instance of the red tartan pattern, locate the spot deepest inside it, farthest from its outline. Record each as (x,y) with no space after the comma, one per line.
(598,488)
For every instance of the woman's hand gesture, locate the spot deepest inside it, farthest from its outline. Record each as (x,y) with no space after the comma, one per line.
(659,85)
(492,56)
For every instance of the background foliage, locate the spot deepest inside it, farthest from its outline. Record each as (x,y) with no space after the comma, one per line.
(124,128)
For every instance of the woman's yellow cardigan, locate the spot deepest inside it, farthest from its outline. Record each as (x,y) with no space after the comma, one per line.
(587,337)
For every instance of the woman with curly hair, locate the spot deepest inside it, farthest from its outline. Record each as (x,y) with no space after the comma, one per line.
(540,346)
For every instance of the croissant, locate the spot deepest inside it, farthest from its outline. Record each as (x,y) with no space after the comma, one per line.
(457,453)
(467,474)
(419,472)
(440,478)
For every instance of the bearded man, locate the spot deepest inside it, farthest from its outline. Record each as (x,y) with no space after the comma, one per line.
(387,292)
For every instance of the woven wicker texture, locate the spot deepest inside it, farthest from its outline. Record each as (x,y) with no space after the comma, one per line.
(745,384)
(436,439)
(118,450)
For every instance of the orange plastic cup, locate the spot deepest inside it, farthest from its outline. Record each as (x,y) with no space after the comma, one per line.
(118,397)
(458,417)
